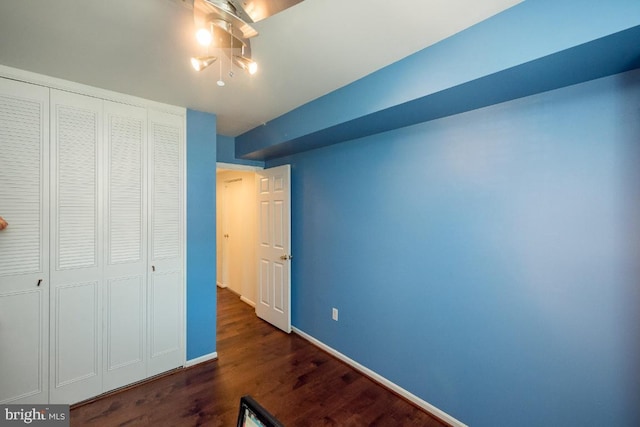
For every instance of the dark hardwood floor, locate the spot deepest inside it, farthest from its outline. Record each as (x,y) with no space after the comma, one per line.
(294,380)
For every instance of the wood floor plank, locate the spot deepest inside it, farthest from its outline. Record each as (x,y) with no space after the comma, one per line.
(297,382)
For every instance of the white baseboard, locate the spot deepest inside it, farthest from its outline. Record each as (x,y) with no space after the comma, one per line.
(221,285)
(382,380)
(201,359)
(247,301)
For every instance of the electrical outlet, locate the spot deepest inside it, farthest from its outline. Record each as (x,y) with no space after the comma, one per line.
(334,314)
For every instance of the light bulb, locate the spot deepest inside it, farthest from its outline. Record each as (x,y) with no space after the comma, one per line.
(204,37)
(220,83)
(196,64)
(246,64)
(199,63)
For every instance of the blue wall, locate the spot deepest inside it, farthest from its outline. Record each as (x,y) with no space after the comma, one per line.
(537,45)
(226,152)
(201,234)
(487,262)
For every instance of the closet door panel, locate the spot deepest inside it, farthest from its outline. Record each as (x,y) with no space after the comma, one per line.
(24,245)
(23,349)
(126,242)
(124,332)
(77,316)
(166,316)
(76,247)
(166,242)
(125,135)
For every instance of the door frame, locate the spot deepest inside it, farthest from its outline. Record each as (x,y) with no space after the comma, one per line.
(242,168)
(229,167)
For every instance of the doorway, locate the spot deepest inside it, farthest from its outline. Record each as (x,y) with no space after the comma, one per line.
(236,227)
(252,203)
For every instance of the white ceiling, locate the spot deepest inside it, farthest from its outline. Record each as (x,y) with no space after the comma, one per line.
(142,48)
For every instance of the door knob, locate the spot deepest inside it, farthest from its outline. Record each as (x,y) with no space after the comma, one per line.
(286,257)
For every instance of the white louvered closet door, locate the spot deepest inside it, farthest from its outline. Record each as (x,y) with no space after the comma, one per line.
(76,248)
(24,245)
(166,204)
(126,242)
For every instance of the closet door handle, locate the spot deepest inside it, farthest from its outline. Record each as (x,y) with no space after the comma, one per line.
(39,282)
(153,268)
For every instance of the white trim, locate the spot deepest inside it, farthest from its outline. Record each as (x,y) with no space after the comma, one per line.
(201,359)
(221,285)
(185,314)
(382,380)
(69,86)
(247,301)
(235,167)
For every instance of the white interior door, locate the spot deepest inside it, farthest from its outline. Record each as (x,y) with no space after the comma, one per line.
(165,293)
(274,246)
(76,247)
(24,245)
(226,213)
(234,232)
(125,262)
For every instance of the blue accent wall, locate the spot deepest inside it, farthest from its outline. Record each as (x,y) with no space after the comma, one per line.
(474,214)
(201,234)
(535,46)
(226,152)
(487,262)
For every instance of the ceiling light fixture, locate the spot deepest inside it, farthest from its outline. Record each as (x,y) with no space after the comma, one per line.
(246,64)
(199,63)
(204,36)
(227,25)
(218,22)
